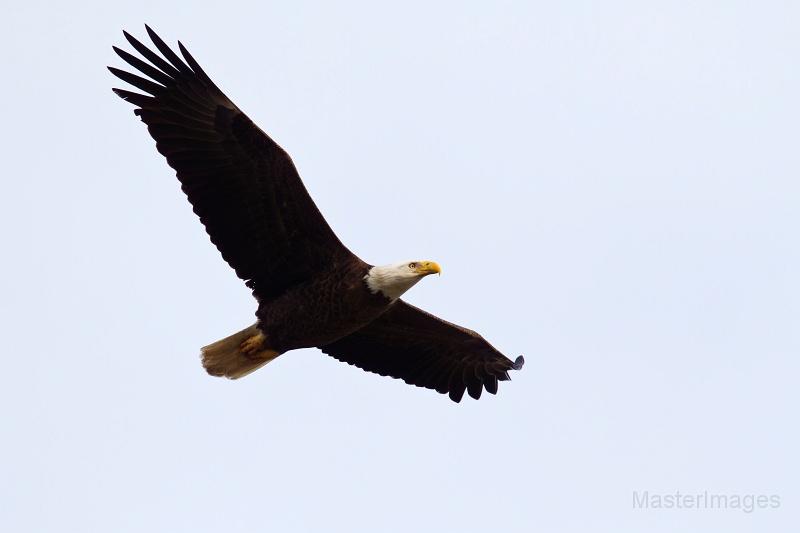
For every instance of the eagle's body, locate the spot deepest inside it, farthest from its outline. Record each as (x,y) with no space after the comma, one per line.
(331,306)
(311,290)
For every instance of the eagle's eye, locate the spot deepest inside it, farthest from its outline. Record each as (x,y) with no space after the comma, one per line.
(412,265)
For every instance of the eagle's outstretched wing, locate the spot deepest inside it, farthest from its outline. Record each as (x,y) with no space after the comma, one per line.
(423,350)
(241,184)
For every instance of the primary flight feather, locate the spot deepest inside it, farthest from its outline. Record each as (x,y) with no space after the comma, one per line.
(311,290)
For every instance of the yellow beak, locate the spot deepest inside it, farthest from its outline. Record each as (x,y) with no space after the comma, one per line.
(428,267)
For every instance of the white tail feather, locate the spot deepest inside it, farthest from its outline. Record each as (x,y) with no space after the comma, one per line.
(226,358)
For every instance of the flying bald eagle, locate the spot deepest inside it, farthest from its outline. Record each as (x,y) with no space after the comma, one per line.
(311,290)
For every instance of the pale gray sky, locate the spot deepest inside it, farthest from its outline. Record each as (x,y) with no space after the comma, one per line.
(611,188)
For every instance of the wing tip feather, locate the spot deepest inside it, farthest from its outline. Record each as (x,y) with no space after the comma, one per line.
(456,394)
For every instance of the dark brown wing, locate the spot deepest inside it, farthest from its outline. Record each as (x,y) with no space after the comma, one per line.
(426,351)
(241,184)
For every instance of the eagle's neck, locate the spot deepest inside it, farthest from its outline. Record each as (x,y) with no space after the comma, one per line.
(390,280)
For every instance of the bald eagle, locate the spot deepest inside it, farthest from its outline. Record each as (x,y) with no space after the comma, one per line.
(310,289)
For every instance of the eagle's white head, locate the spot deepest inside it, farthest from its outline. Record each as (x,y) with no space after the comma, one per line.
(393,280)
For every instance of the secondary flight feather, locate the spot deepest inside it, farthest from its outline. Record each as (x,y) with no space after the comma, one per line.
(311,290)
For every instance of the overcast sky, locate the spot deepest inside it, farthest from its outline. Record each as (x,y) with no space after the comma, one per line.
(611,189)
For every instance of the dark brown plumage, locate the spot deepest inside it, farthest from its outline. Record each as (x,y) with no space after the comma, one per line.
(312,291)
(425,351)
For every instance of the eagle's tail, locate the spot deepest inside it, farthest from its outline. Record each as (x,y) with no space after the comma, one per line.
(238,355)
